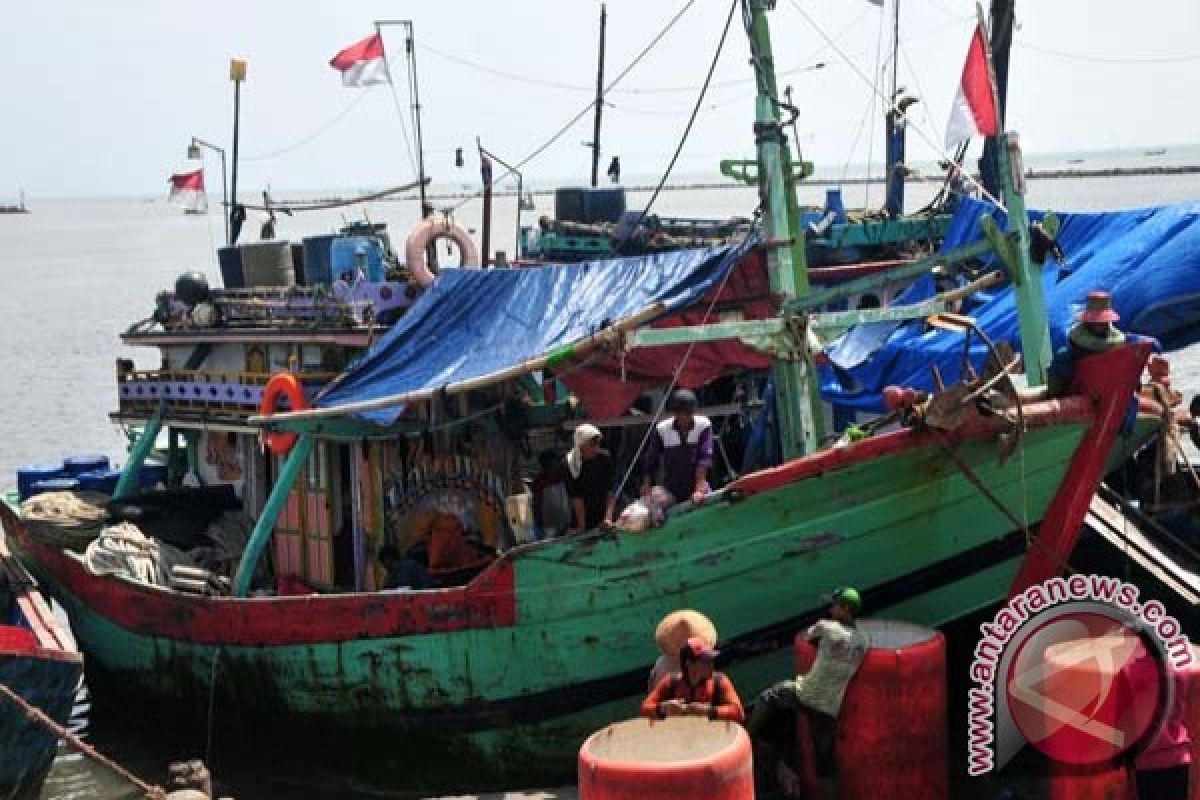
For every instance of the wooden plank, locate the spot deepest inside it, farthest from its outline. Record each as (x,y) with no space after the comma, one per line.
(1127,536)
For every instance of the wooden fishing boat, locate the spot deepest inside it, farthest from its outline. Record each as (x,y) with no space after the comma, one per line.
(39,663)
(495,680)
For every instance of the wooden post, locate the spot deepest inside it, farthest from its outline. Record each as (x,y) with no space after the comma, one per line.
(292,467)
(485,172)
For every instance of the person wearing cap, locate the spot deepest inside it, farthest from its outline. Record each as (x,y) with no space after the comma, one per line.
(1094,332)
(841,647)
(697,690)
(682,448)
(589,481)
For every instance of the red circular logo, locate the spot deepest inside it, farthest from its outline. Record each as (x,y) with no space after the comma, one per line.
(1083,688)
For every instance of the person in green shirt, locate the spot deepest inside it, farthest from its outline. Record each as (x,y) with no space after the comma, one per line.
(841,647)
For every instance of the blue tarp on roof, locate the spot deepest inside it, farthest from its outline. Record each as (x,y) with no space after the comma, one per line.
(473,322)
(1149,258)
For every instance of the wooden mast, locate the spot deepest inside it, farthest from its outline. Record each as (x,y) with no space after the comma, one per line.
(798,399)
(599,101)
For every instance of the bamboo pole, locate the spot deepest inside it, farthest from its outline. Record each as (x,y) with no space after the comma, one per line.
(572,351)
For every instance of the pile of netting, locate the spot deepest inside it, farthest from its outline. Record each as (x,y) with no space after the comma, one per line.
(65,520)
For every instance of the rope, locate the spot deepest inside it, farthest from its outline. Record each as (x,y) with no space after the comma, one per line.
(920,130)
(687,129)
(571,122)
(662,404)
(1108,59)
(296,145)
(39,717)
(408,146)
(333,203)
(875,91)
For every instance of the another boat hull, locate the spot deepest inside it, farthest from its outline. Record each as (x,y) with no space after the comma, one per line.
(27,749)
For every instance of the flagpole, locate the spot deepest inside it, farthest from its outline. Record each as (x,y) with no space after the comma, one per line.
(237,74)
(991,68)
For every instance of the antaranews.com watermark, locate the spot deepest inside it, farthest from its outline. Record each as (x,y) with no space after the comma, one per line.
(1092,623)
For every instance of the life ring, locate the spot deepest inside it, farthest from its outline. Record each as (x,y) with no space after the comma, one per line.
(287,385)
(427,232)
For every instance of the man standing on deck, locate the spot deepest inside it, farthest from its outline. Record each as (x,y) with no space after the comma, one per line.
(841,647)
(682,446)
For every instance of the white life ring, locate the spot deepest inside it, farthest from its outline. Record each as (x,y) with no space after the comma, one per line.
(428,231)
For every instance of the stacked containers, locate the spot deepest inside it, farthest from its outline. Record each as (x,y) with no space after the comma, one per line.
(318,266)
(77,465)
(31,474)
(230,259)
(267,264)
(343,251)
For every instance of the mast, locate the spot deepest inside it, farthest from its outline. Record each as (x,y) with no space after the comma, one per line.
(599,100)
(1000,46)
(798,400)
(1026,276)
(894,129)
(410,51)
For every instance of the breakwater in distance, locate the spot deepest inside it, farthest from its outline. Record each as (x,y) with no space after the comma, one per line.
(1030,174)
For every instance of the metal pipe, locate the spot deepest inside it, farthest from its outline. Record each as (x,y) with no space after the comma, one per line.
(520,188)
(292,466)
(198,142)
(599,99)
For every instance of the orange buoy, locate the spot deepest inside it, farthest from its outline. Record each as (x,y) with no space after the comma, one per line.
(428,231)
(679,758)
(282,384)
(892,738)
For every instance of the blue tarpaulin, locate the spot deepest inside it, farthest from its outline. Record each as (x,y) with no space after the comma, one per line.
(1148,258)
(472,323)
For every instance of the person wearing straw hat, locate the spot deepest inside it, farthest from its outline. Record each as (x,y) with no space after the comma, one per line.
(590,480)
(1094,332)
(696,690)
(672,634)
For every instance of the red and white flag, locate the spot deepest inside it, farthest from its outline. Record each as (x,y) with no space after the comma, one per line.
(363,63)
(974,110)
(187,190)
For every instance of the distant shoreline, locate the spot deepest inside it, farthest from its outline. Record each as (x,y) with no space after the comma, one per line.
(1032,174)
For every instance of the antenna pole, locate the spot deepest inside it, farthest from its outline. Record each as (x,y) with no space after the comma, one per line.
(599,100)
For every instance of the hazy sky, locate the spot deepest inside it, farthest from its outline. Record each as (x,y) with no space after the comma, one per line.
(102,97)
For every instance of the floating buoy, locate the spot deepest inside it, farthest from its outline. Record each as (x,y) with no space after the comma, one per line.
(427,232)
(892,739)
(282,384)
(679,758)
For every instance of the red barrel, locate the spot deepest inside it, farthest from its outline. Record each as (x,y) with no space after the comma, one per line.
(680,758)
(892,738)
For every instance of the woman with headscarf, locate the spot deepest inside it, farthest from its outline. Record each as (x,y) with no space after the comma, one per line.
(590,480)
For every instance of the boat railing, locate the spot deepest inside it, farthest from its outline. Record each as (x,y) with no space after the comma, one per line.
(232,392)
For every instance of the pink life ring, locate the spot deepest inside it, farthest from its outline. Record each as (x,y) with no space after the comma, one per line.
(427,232)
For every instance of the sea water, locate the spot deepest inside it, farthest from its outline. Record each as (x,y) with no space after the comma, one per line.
(78,272)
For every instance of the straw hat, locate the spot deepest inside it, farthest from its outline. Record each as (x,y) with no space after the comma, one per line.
(679,626)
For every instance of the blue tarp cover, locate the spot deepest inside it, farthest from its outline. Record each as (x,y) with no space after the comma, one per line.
(1148,258)
(472,322)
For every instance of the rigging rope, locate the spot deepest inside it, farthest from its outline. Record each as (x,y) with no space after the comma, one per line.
(920,130)
(687,129)
(318,132)
(571,122)
(408,147)
(871,129)
(1185,59)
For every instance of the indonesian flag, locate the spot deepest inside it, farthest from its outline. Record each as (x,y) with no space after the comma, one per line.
(187,190)
(974,110)
(362,64)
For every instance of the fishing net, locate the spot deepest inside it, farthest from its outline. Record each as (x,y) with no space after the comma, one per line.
(65,520)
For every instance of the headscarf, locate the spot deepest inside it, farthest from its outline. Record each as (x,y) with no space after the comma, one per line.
(583,434)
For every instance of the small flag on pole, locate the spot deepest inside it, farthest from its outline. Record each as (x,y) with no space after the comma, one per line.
(363,63)
(973,112)
(187,190)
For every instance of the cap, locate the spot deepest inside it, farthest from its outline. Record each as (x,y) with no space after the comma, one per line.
(846,595)
(586,433)
(700,650)
(1099,308)
(683,400)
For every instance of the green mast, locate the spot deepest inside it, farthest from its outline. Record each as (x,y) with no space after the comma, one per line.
(798,400)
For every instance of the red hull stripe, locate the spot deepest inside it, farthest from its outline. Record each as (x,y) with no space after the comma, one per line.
(488,602)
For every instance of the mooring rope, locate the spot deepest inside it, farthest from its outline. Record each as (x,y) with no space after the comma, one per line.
(39,717)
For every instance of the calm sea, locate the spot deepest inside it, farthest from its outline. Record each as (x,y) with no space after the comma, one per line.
(78,272)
